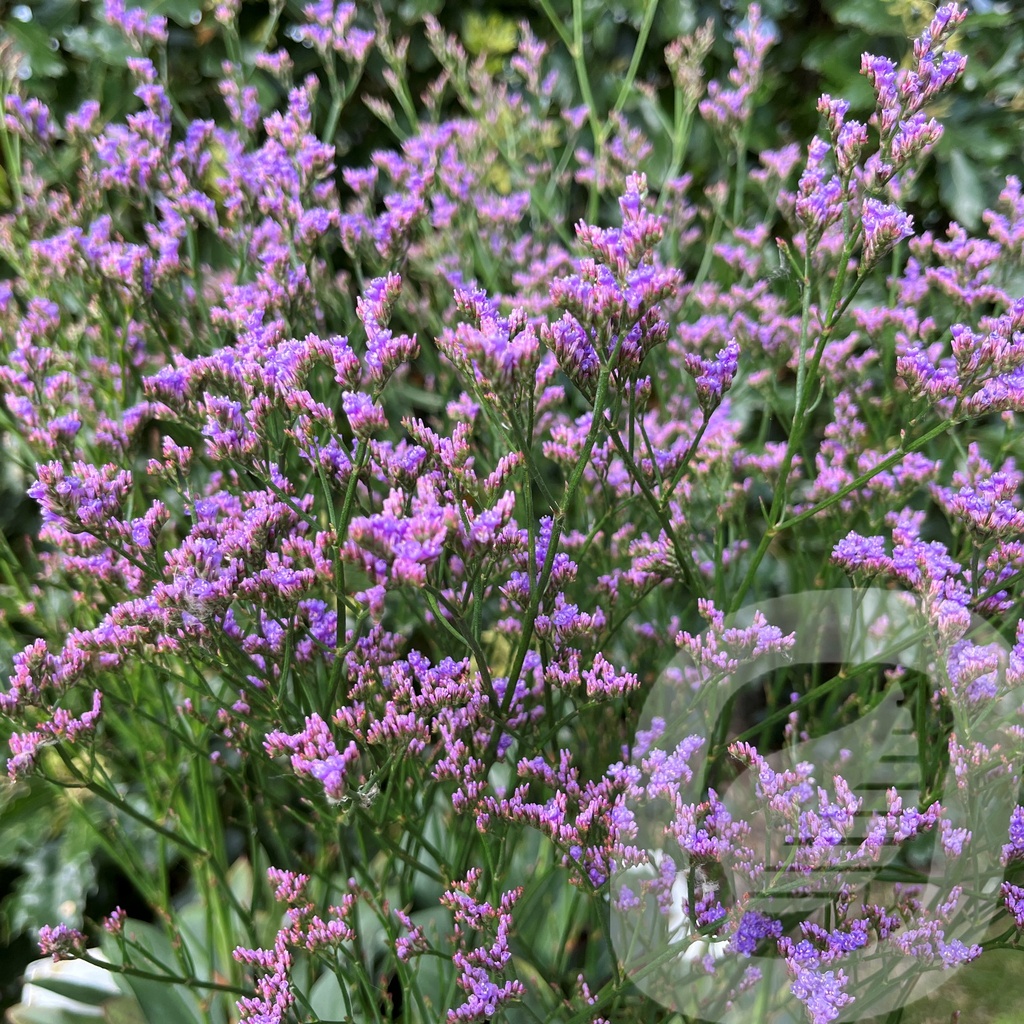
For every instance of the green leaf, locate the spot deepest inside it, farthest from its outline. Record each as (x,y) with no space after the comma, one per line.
(79,991)
(33,42)
(875,18)
(48,1015)
(57,877)
(124,1010)
(101,43)
(240,879)
(161,1002)
(327,1000)
(961,190)
(180,11)
(51,14)
(539,1002)
(490,33)
(28,819)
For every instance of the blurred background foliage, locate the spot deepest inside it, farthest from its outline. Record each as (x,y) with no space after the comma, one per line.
(70,54)
(50,867)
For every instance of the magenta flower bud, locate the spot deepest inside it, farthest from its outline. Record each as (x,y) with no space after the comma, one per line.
(713,377)
(62,942)
(819,194)
(730,109)
(573,350)
(137,25)
(884,226)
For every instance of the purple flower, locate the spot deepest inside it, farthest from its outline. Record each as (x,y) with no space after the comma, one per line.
(364,417)
(730,108)
(713,377)
(819,194)
(884,226)
(62,942)
(500,355)
(1013,898)
(721,650)
(906,133)
(753,928)
(574,351)
(849,140)
(274,995)
(313,754)
(477,966)
(823,993)
(1014,849)
(139,26)
(408,946)
(330,27)
(384,351)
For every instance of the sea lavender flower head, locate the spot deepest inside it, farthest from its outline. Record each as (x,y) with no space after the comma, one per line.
(884,225)
(823,992)
(385,351)
(729,109)
(848,137)
(905,131)
(623,250)
(330,29)
(62,942)
(1013,851)
(140,27)
(574,350)
(936,68)
(500,355)
(685,59)
(819,193)
(713,377)
(1013,899)
(314,755)
(479,966)
(611,302)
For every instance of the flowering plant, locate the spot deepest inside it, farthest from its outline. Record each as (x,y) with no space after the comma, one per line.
(376,503)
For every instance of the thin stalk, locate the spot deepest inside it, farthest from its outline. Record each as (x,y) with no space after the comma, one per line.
(115,801)
(165,978)
(558,521)
(741,176)
(806,376)
(582,76)
(887,463)
(634,64)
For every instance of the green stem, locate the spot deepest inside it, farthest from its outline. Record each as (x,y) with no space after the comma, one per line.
(166,978)
(806,377)
(680,140)
(741,176)
(683,555)
(705,265)
(558,520)
(115,801)
(634,65)
(582,76)
(887,463)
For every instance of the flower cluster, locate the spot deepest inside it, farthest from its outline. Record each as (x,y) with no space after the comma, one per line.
(375,502)
(477,966)
(304,930)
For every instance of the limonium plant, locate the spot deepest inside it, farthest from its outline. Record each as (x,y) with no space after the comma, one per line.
(376,497)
